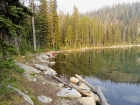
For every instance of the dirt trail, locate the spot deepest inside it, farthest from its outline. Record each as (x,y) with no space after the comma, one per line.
(44,85)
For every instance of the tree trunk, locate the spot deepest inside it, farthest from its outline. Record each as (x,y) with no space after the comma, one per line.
(33,26)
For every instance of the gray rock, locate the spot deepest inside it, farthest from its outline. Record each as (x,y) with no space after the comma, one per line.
(87,101)
(44,99)
(30,77)
(27,69)
(60,85)
(46,69)
(26,97)
(69,93)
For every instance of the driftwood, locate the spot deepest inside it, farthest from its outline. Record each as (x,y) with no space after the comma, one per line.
(60,80)
(96,90)
(88,84)
(86,93)
(100,94)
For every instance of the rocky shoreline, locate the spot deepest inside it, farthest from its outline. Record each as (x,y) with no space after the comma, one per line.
(51,90)
(38,77)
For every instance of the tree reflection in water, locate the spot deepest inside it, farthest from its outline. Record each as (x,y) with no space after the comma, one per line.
(109,66)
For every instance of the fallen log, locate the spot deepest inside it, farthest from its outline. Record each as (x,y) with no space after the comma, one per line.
(60,80)
(86,93)
(100,94)
(88,84)
(96,90)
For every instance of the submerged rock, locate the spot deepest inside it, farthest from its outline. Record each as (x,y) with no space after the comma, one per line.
(69,93)
(87,101)
(44,99)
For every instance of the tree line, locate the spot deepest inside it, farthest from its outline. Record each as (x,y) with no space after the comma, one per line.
(107,26)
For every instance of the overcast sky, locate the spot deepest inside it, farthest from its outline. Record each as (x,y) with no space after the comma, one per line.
(88,5)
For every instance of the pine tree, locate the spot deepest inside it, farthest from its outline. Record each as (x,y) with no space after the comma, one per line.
(43,25)
(75,26)
(54,25)
(12,15)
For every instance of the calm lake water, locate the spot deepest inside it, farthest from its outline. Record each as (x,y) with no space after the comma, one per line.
(116,71)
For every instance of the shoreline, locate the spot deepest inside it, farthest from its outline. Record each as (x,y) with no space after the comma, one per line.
(94,48)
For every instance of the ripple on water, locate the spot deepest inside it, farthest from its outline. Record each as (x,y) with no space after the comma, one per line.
(132,99)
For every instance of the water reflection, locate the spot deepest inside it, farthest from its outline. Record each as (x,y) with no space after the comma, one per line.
(116,70)
(116,65)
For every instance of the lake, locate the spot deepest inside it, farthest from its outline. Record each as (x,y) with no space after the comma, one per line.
(116,71)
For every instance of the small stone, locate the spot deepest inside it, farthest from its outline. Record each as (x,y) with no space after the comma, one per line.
(30,77)
(60,85)
(34,80)
(43,83)
(44,99)
(74,80)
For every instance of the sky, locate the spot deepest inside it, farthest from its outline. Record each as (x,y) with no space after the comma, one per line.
(88,5)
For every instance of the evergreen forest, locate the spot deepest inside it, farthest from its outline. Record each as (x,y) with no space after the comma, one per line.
(30,26)
(116,25)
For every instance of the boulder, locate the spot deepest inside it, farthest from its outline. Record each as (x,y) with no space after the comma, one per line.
(69,93)
(87,101)
(44,99)
(43,56)
(26,97)
(27,69)
(46,69)
(74,80)
(84,86)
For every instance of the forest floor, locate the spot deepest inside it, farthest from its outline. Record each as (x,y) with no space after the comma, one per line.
(44,85)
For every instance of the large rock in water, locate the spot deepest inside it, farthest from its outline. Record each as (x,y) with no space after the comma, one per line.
(44,99)
(74,80)
(69,93)
(87,101)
